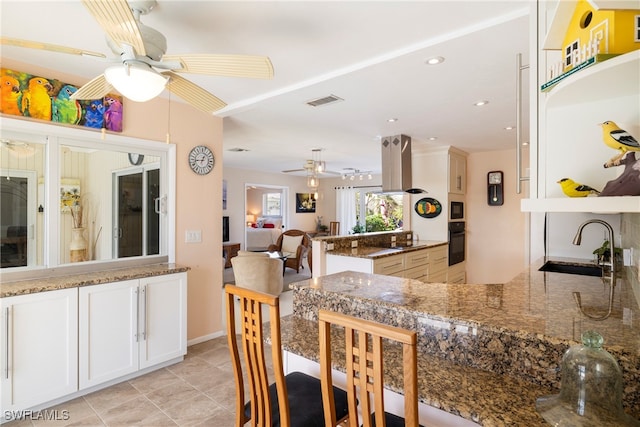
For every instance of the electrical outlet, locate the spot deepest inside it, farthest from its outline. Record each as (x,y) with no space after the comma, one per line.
(329,246)
(393,239)
(408,236)
(193,236)
(354,243)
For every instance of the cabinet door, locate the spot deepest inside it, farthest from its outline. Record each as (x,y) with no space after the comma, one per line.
(109,331)
(39,348)
(457,173)
(438,263)
(164,310)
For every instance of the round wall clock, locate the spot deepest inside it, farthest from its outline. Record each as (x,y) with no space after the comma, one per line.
(201,160)
(136,159)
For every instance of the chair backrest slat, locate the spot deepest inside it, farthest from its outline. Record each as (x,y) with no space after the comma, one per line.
(365,367)
(251,304)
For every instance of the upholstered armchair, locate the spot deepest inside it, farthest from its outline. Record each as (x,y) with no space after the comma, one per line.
(258,271)
(294,242)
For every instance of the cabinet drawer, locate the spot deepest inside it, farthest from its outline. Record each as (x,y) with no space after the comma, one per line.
(420,272)
(417,258)
(389,265)
(438,277)
(439,259)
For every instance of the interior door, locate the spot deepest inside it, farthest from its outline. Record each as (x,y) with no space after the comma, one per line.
(136,216)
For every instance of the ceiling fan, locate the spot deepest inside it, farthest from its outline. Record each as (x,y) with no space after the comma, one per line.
(143,69)
(313,166)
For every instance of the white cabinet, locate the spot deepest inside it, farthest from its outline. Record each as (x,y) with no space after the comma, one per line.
(165,312)
(130,325)
(39,348)
(457,173)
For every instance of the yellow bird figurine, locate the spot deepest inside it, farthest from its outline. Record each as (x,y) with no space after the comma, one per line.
(617,139)
(574,189)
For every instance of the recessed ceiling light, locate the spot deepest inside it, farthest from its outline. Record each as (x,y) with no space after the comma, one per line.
(481,103)
(392,120)
(509,128)
(525,143)
(435,60)
(433,138)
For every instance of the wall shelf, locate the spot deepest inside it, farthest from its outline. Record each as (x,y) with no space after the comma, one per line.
(604,205)
(619,73)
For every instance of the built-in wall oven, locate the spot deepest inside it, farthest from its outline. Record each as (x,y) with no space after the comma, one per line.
(456,211)
(456,242)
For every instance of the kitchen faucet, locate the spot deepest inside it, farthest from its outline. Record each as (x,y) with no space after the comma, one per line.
(612,263)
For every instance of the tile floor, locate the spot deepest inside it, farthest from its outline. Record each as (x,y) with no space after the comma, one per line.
(198,391)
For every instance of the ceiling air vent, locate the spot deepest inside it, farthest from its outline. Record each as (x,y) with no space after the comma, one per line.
(238,149)
(324,101)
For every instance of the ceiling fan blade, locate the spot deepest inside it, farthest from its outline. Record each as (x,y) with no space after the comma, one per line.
(193,94)
(47,46)
(258,67)
(97,88)
(293,170)
(117,20)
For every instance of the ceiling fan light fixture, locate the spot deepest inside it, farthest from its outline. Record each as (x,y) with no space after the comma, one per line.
(136,81)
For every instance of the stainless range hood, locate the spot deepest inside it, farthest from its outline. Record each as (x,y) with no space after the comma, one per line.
(396,165)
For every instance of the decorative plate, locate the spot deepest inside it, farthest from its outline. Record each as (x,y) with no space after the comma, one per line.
(428,207)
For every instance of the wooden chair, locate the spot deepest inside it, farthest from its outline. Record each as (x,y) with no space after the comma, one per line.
(302,403)
(297,251)
(334,228)
(364,370)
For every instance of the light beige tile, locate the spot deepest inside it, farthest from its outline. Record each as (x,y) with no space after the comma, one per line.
(154,380)
(217,356)
(92,420)
(225,394)
(105,399)
(193,411)
(18,423)
(138,411)
(189,367)
(172,394)
(219,418)
(209,378)
(68,413)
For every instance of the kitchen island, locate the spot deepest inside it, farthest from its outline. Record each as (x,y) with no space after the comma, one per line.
(486,352)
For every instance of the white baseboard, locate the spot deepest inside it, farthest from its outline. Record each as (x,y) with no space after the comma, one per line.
(205,338)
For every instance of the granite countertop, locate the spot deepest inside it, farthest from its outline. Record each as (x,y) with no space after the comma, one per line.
(43,284)
(375,252)
(483,397)
(513,333)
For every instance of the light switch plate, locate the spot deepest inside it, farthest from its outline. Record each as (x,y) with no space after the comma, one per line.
(193,236)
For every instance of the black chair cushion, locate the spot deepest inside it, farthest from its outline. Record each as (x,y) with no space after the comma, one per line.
(305,401)
(392,420)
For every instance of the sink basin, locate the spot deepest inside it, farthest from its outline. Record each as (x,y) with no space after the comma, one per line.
(580,269)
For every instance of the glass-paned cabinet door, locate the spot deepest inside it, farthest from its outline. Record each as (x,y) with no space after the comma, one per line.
(22,177)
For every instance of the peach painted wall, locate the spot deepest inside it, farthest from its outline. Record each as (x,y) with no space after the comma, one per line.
(198,198)
(495,234)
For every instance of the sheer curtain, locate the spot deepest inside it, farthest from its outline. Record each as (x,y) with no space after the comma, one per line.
(346,208)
